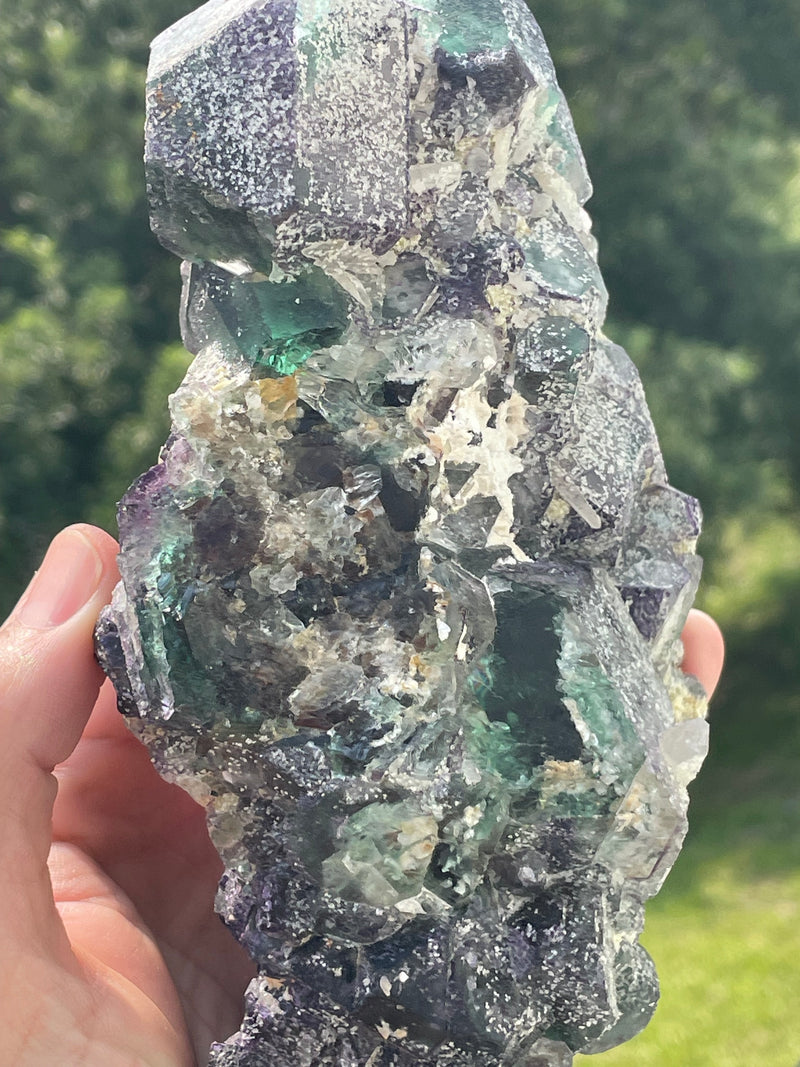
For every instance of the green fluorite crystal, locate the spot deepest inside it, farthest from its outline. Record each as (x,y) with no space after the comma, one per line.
(401,602)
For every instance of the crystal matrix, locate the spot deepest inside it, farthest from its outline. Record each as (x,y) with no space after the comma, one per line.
(401,601)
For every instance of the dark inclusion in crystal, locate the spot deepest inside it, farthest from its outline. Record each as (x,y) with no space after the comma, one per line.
(401,601)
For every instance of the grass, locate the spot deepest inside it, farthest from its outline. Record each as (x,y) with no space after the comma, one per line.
(729,959)
(725,931)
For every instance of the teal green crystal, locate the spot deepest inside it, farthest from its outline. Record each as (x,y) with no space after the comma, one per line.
(467,28)
(278,324)
(401,601)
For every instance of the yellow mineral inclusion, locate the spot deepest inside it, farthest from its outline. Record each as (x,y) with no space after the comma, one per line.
(564,776)
(687,701)
(557,511)
(279,395)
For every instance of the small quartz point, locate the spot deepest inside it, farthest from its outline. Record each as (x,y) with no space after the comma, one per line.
(401,601)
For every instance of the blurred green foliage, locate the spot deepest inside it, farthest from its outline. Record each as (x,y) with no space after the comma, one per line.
(689,114)
(87,299)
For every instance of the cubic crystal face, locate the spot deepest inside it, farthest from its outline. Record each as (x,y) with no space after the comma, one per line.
(401,601)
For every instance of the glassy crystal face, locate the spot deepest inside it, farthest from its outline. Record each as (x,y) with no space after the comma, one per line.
(401,601)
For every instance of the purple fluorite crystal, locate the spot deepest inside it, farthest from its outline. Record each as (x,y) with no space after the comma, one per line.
(401,601)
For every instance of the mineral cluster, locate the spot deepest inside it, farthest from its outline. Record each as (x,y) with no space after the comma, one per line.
(401,601)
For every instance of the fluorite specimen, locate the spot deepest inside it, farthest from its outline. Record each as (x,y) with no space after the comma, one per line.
(401,602)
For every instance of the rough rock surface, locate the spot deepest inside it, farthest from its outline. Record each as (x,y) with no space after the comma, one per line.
(401,601)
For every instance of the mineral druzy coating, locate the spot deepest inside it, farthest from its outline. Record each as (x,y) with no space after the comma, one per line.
(401,601)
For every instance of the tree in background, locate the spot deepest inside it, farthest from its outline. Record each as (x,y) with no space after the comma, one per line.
(689,115)
(87,299)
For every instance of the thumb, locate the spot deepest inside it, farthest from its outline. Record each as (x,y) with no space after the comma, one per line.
(49,681)
(704,649)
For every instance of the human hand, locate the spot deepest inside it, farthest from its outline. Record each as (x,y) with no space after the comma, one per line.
(704,650)
(110,952)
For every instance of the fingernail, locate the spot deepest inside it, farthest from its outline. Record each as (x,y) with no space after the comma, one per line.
(66,581)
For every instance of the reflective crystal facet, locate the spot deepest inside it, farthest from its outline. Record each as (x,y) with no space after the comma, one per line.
(401,601)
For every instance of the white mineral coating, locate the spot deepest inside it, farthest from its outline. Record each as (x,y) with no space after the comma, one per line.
(401,602)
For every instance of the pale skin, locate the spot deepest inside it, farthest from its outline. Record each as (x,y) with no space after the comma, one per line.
(110,952)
